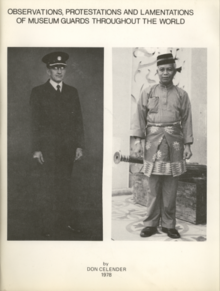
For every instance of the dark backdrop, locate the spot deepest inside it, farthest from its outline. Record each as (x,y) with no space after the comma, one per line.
(85,72)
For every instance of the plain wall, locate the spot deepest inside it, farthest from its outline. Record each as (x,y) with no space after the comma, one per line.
(122,66)
(199,104)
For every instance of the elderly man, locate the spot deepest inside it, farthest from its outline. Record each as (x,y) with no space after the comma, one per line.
(163,119)
(57,141)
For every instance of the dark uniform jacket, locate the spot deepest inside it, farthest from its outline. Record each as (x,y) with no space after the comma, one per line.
(57,131)
(56,120)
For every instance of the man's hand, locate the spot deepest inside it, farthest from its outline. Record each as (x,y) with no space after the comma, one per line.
(39,157)
(138,149)
(79,154)
(187,152)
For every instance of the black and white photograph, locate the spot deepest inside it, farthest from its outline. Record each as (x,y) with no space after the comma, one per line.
(55,143)
(160,144)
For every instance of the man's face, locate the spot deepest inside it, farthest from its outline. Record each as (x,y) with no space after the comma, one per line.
(166,73)
(57,73)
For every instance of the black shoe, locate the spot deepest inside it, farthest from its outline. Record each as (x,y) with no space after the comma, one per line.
(171,232)
(148,231)
(46,234)
(74,229)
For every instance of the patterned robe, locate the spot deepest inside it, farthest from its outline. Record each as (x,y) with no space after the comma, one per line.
(163,118)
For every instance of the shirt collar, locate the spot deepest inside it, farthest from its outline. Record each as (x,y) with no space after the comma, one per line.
(54,84)
(167,87)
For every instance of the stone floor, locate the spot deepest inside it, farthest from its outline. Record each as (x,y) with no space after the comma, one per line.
(127,222)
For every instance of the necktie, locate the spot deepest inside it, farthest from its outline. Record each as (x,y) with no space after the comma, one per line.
(58,90)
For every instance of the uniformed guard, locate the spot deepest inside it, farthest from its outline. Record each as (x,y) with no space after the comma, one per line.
(57,141)
(163,119)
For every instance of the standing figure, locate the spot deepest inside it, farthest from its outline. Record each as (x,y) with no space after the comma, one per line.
(163,119)
(57,141)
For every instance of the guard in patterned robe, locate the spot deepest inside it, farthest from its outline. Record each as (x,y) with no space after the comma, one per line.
(164,120)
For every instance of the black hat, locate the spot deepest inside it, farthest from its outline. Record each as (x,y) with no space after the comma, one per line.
(55,58)
(165,59)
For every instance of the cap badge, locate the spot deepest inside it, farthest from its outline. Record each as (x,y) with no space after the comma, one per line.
(59,58)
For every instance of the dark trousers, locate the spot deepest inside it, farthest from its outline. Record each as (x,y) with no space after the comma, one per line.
(54,196)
